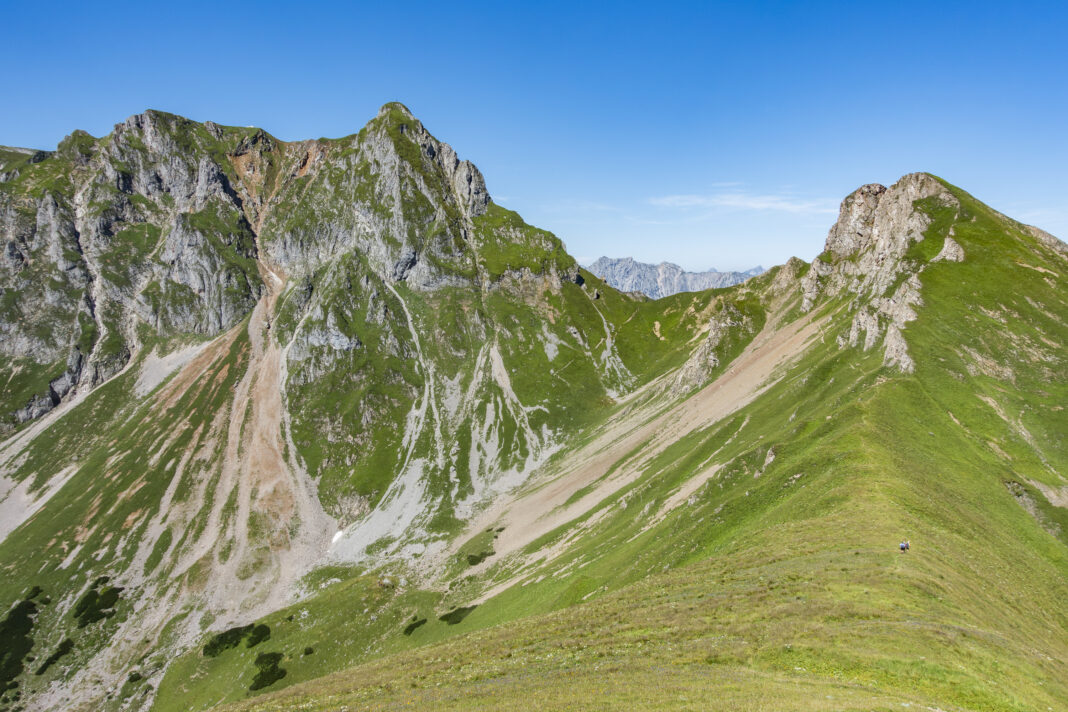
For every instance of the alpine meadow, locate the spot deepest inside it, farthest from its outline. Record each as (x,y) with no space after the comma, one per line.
(318,425)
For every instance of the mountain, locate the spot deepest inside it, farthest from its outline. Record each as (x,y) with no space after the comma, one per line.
(664,279)
(230,359)
(318,425)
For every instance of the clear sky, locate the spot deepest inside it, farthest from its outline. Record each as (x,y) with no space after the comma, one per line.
(708,134)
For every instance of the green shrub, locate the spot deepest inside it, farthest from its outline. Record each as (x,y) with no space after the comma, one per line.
(227,639)
(269,672)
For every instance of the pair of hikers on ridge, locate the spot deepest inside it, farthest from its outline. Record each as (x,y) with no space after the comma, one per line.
(904,546)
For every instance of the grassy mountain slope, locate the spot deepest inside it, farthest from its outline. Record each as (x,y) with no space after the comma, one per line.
(417,345)
(416,439)
(778,584)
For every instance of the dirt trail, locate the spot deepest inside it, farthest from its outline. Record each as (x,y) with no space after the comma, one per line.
(534,512)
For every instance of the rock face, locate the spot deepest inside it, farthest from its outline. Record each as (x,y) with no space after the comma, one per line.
(867,255)
(664,279)
(140,228)
(342,353)
(387,268)
(374,350)
(951,251)
(160,228)
(386,277)
(1050,241)
(393,192)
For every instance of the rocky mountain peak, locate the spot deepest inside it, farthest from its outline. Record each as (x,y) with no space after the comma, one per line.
(664,279)
(152,128)
(77,148)
(876,226)
(417,146)
(866,254)
(874,216)
(395,106)
(855,219)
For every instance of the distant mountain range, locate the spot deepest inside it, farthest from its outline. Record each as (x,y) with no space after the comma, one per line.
(664,279)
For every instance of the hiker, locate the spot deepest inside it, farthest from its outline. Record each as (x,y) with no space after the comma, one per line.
(904,546)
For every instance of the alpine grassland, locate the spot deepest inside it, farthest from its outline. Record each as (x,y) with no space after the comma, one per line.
(779,584)
(318,425)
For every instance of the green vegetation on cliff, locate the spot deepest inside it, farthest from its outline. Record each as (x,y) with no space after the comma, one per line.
(349,433)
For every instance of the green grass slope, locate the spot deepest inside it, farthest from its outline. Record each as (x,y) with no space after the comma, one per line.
(145,512)
(96,535)
(747,562)
(778,585)
(353,615)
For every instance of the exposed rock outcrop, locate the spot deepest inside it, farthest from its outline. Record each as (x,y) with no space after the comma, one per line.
(161,225)
(866,255)
(875,228)
(705,358)
(1050,241)
(951,252)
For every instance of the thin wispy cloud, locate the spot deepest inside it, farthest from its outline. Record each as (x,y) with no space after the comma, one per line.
(583,206)
(748,201)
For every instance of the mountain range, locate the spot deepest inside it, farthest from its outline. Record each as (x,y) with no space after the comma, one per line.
(664,279)
(318,425)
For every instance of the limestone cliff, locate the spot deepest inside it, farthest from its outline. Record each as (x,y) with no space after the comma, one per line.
(664,279)
(867,255)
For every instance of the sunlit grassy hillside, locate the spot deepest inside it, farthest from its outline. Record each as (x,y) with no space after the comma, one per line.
(779,584)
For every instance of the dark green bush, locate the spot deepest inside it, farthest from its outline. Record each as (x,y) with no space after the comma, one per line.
(65,647)
(257,635)
(227,639)
(269,672)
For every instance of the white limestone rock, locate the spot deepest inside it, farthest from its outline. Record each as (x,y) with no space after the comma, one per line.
(664,279)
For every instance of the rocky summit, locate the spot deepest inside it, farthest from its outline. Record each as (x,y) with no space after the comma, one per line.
(664,279)
(318,425)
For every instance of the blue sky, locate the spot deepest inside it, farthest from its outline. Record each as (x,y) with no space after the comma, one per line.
(708,134)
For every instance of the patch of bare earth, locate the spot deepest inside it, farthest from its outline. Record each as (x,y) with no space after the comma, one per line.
(276,528)
(264,525)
